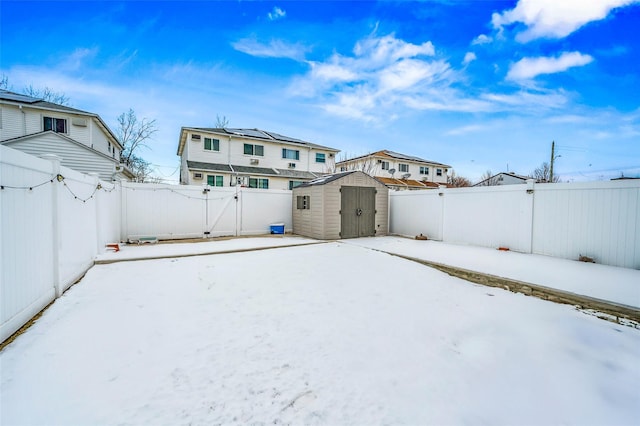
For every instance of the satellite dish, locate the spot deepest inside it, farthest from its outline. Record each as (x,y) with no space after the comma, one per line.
(392,171)
(406,176)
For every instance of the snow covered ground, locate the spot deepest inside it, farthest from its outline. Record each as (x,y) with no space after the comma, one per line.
(329,333)
(618,285)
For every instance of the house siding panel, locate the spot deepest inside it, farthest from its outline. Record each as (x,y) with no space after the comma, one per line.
(12,123)
(72,155)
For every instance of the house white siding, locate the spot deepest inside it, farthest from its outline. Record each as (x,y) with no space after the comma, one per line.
(230,161)
(379,163)
(86,144)
(13,122)
(73,156)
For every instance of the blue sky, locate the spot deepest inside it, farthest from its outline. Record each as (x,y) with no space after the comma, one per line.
(479,85)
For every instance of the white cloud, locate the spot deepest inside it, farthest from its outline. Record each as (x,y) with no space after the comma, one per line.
(469,57)
(528,68)
(78,58)
(482,39)
(379,71)
(555,18)
(472,128)
(274,49)
(382,50)
(276,13)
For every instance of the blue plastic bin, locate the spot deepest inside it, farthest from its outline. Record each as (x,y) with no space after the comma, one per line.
(277,228)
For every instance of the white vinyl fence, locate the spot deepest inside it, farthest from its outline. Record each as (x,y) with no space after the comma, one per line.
(53,222)
(173,212)
(600,220)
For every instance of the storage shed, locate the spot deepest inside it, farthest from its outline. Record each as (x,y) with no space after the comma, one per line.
(344,205)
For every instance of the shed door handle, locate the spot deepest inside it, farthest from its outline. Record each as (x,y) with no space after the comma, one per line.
(358,212)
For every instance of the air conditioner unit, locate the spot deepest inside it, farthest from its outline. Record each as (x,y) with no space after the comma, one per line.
(239,180)
(254,161)
(77,121)
(197,175)
(292,165)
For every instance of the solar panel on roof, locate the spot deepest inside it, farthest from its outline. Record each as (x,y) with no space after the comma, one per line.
(283,138)
(10,96)
(254,133)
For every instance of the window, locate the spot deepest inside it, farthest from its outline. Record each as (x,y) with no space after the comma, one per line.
(439,172)
(320,157)
(291,154)
(195,138)
(294,183)
(385,165)
(215,180)
(211,144)
(424,170)
(258,183)
(343,168)
(250,149)
(58,125)
(404,168)
(303,202)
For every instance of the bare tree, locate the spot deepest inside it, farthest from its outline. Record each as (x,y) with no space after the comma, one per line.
(365,164)
(487,179)
(457,181)
(47,94)
(542,174)
(133,135)
(221,122)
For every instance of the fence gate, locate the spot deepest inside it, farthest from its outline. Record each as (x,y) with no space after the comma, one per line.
(357,211)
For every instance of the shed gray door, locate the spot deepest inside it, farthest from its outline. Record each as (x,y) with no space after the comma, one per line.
(358,211)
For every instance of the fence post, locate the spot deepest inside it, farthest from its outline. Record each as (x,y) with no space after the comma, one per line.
(99,231)
(441,191)
(531,193)
(55,219)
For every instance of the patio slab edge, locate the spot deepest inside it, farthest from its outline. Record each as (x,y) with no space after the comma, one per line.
(612,311)
(207,253)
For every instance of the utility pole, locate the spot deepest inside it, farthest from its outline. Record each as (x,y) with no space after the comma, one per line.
(553,157)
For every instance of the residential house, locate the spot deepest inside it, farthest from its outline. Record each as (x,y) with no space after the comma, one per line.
(82,139)
(250,157)
(399,171)
(504,178)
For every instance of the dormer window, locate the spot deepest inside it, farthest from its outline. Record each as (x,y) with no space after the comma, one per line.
(58,125)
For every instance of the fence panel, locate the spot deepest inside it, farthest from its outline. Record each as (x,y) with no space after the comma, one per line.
(108,213)
(163,211)
(600,220)
(26,238)
(413,213)
(77,225)
(260,208)
(498,216)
